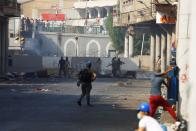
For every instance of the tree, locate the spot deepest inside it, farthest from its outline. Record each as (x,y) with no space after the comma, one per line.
(117,34)
(138,44)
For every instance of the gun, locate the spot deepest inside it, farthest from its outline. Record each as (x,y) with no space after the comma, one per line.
(108,65)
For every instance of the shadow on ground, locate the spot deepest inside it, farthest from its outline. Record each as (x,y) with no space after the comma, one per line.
(28,109)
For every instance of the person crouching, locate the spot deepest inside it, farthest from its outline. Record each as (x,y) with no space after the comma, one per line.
(147,123)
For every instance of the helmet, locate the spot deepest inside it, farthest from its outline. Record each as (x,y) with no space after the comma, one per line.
(88,64)
(144,107)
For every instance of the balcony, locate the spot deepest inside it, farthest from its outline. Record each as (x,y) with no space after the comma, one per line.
(10,8)
(133,17)
(86,22)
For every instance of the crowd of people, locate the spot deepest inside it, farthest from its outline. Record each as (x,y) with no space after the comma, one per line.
(29,24)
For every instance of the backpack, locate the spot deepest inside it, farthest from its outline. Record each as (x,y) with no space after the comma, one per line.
(85,76)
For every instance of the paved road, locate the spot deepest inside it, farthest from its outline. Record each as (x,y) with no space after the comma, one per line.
(51,106)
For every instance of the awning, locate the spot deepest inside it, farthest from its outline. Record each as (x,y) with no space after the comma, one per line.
(53,17)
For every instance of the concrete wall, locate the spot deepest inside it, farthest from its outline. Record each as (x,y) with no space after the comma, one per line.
(37,63)
(145,61)
(25,64)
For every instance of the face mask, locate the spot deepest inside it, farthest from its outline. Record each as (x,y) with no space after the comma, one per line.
(139,116)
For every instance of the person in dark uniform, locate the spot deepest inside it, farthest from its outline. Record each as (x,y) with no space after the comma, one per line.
(67,65)
(86,76)
(114,66)
(61,66)
(118,66)
(98,67)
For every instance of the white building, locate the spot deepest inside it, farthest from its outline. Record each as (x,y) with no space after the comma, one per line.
(89,12)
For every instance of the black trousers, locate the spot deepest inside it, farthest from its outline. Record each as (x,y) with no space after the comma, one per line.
(62,70)
(86,89)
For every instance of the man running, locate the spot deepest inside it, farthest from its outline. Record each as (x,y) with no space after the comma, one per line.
(86,76)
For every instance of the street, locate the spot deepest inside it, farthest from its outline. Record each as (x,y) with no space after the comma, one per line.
(51,105)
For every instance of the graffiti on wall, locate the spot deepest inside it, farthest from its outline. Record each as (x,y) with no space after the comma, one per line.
(184,76)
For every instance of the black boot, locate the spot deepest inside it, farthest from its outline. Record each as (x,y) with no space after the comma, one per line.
(88,101)
(79,103)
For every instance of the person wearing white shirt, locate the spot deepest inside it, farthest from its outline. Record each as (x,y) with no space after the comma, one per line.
(146,122)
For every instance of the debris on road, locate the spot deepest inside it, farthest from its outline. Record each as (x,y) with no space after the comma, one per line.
(120,84)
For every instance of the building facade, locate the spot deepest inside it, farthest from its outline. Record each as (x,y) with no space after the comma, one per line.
(157,17)
(35,8)
(77,12)
(170,24)
(84,19)
(90,15)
